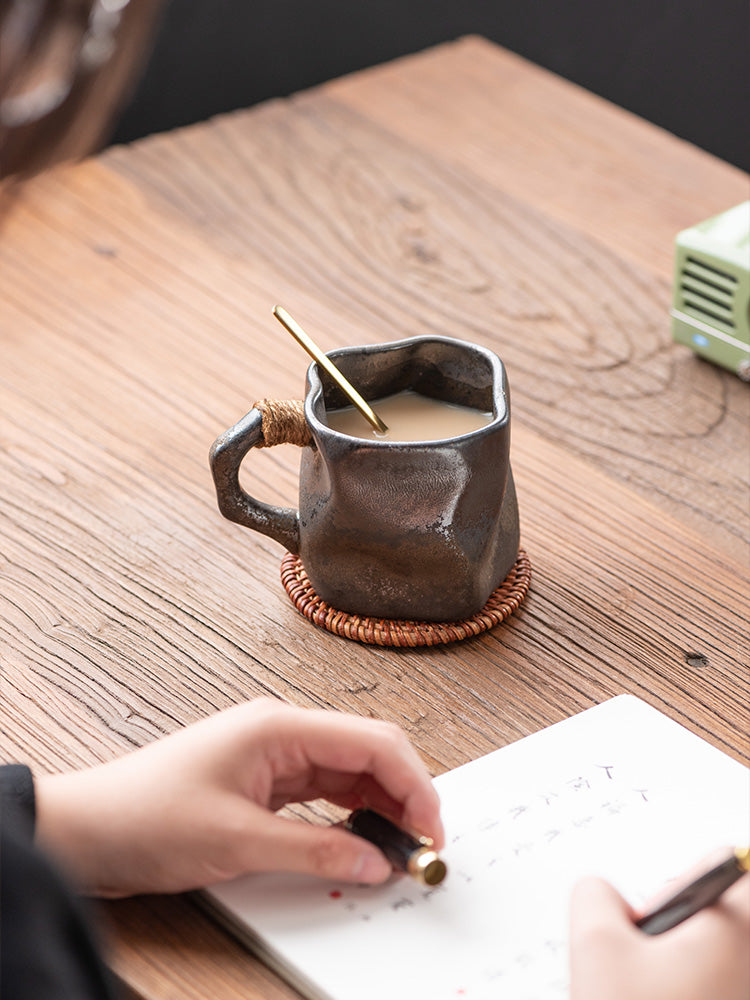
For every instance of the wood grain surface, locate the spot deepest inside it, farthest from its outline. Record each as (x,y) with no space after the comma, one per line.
(462,192)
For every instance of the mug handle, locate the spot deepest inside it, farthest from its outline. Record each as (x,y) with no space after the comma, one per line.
(269,422)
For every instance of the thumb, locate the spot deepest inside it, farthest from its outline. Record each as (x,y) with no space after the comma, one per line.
(280,844)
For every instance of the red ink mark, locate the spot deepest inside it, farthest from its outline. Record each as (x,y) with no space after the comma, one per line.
(335,894)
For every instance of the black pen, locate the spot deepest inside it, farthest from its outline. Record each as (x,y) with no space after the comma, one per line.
(406,853)
(702,892)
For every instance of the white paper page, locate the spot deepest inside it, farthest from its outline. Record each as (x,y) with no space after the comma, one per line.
(619,791)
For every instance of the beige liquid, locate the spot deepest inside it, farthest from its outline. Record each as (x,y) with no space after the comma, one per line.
(410,417)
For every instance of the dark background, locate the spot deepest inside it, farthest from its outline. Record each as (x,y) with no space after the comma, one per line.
(683,64)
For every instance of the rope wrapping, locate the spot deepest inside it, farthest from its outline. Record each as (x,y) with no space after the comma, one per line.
(283,422)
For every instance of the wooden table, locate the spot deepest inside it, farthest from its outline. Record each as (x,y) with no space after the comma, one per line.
(461,191)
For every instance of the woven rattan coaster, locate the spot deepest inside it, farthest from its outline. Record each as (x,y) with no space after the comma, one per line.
(387,632)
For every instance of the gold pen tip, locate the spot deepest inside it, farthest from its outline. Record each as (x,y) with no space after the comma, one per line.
(743,857)
(427,867)
(435,871)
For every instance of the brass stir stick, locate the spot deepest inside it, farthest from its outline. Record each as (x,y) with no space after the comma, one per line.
(317,355)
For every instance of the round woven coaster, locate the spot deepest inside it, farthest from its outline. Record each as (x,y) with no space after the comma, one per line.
(388,632)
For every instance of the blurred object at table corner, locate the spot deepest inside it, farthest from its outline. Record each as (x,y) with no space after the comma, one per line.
(66,69)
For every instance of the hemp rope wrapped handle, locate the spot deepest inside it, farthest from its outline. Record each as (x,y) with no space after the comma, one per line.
(283,422)
(270,422)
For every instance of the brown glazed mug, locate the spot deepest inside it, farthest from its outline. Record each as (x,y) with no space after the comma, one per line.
(422,530)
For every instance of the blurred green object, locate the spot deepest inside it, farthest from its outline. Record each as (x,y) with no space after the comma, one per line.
(711,298)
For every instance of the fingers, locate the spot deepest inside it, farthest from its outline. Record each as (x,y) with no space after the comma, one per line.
(706,956)
(279,844)
(597,910)
(600,938)
(722,931)
(351,791)
(218,782)
(675,885)
(375,759)
(594,899)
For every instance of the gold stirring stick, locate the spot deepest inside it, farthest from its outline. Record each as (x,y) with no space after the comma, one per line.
(317,355)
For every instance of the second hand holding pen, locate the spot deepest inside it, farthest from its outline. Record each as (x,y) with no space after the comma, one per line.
(702,892)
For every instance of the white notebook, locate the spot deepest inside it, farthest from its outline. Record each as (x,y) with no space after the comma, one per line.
(619,791)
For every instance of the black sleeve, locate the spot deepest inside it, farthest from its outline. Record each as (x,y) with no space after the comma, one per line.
(48,951)
(17,790)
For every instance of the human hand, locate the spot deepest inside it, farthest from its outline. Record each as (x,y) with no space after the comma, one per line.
(705,958)
(198,806)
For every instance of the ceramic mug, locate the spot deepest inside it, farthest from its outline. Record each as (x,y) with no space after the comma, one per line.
(422,530)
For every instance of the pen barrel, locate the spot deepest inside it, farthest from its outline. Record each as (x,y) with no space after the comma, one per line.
(405,853)
(704,891)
